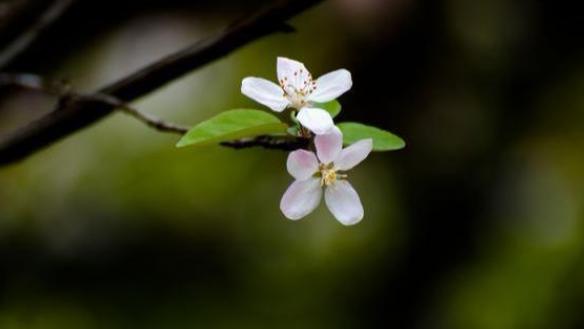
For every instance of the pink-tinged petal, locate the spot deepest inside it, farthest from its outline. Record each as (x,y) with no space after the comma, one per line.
(302,164)
(292,73)
(329,145)
(331,86)
(354,154)
(316,120)
(301,198)
(343,202)
(264,92)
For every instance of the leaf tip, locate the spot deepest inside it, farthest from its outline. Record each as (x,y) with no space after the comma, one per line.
(181,143)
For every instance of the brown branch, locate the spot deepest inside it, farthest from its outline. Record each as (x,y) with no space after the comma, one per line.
(284,143)
(35,82)
(26,38)
(74,116)
(148,119)
(269,142)
(66,96)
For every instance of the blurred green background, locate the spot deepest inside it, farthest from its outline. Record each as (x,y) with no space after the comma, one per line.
(477,224)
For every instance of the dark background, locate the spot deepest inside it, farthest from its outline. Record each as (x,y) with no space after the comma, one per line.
(477,223)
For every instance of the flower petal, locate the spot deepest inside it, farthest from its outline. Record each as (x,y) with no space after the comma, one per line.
(302,164)
(316,120)
(329,145)
(301,198)
(354,154)
(292,73)
(264,92)
(343,201)
(331,86)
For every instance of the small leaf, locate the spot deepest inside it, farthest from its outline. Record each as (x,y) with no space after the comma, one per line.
(382,140)
(293,116)
(294,131)
(333,107)
(231,125)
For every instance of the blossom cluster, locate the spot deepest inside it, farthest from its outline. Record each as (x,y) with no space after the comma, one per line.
(323,167)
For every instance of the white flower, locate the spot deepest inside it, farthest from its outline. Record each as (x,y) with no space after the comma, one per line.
(312,174)
(298,90)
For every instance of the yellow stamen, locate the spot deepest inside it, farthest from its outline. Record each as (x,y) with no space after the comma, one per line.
(328,175)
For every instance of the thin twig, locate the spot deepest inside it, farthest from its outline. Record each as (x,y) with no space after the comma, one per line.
(35,82)
(22,42)
(148,119)
(73,116)
(66,96)
(269,142)
(283,143)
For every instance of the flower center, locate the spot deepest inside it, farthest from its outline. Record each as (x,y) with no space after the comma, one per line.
(328,175)
(297,88)
(296,99)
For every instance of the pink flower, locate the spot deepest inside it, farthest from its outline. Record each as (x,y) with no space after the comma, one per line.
(313,174)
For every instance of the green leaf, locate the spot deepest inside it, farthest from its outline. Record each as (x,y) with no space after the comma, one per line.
(333,107)
(231,125)
(294,131)
(382,140)
(293,116)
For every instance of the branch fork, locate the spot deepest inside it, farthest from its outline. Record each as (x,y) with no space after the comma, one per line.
(73,116)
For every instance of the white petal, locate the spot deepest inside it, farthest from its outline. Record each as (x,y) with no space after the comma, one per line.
(302,164)
(331,86)
(354,154)
(301,198)
(292,73)
(316,120)
(329,145)
(343,201)
(264,92)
